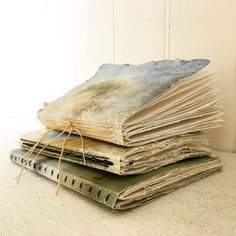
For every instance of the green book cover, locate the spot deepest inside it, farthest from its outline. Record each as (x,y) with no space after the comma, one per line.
(120,192)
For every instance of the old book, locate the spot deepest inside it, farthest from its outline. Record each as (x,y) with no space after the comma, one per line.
(118,159)
(121,192)
(133,105)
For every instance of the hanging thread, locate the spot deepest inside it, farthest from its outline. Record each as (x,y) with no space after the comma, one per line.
(69,127)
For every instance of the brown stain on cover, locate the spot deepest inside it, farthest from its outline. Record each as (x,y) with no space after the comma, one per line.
(91,105)
(72,144)
(103,88)
(95,93)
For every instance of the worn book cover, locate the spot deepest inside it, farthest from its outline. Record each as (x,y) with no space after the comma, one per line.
(132,105)
(114,158)
(121,192)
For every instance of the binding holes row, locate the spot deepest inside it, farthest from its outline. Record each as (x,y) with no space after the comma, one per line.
(52,173)
(45,169)
(81,185)
(31,164)
(65,180)
(23,160)
(106,198)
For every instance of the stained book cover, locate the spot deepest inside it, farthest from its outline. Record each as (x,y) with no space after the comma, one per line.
(121,192)
(114,158)
(132,105)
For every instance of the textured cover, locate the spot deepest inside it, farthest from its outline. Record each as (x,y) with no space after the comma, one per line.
(121,192)
(124,104)
(118,159)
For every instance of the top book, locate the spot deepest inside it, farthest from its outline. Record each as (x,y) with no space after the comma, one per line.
(132,105)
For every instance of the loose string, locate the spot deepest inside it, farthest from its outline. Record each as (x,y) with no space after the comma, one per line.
(44,146)
(51,141)
(29,153)
(82,144)
(53,128)
(59,162)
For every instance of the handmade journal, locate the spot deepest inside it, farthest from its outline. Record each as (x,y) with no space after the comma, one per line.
(121,192)
(114,158)
(132,105)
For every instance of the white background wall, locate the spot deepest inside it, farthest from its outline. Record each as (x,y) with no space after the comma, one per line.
(23,66)
(47,47)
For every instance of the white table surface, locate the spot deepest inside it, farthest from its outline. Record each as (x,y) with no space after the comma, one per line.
(207,207)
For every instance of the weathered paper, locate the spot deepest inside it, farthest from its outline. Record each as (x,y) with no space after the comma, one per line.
(132,105)
(121,192)
(118,159)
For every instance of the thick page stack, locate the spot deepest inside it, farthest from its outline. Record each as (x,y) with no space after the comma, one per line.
(129,134)
(121,192)
(118,159)
(132,105)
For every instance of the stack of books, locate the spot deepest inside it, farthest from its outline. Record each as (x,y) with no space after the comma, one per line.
(129,134)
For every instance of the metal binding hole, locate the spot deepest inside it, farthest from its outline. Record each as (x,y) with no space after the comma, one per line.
(107,197)
(73,182)
(22,160)
(40,167)
(25,161)
(90,189)
(65,179)
(19,158)
(45,169)
(11,156)
(34,165)
(131,163)
(52,172)
(15,158)
(58,175)
(99,192)
(81,184)
(30,162)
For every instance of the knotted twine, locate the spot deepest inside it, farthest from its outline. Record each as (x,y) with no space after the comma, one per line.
(27,155)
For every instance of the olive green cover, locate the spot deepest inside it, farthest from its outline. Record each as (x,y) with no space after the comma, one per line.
(121,192)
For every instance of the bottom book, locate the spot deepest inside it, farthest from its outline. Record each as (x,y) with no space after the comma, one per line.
(120,192)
